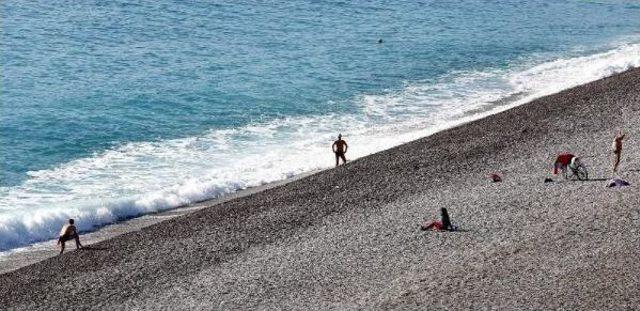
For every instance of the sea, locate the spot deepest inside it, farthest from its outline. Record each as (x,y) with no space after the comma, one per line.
(115,109)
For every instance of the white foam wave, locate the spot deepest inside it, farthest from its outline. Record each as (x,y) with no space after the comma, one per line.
(141,178)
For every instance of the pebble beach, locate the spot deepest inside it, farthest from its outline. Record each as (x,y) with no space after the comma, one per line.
(350,238)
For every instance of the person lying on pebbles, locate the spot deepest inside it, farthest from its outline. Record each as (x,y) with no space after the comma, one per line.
(443,225)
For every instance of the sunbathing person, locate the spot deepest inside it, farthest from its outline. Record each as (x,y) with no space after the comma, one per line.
(443,225)
(67,233)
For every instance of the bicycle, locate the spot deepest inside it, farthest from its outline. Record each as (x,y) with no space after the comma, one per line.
(576,170)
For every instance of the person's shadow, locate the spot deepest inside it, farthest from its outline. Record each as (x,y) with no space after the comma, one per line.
(94,248)
(460,230)
(596,179)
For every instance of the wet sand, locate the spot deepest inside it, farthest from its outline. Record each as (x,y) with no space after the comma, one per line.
(349,237)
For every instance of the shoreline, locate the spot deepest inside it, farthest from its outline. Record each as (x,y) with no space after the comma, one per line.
(482,111)
(14,259)
(24,256)
(349,238)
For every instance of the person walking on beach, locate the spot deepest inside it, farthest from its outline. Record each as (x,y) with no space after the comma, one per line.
(340,147)
(67,233)
(617,149)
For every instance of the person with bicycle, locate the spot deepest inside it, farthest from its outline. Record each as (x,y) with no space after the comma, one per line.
(563,161)
(571,167)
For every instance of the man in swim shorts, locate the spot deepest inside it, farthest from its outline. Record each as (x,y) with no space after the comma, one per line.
(617,149)
(67,233)
(340,147)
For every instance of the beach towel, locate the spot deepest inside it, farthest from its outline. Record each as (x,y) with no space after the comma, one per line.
(617,182)
(64,230)
(438,226)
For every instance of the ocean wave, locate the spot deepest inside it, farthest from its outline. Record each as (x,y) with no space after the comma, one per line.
(147,177)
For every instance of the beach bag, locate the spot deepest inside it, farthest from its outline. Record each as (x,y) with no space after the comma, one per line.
(495,177)
(617,182)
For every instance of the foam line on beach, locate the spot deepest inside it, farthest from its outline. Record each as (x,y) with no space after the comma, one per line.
(146,177)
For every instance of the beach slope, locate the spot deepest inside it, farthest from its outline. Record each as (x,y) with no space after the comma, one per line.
(349,237)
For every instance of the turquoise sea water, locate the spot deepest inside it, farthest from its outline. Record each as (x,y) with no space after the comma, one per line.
(116,109)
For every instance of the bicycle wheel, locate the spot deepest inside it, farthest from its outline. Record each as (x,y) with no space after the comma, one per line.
(581,173)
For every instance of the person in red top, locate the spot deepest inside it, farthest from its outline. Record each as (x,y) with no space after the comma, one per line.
(562,162)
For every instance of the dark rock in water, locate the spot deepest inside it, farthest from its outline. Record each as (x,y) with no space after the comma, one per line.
(548,180)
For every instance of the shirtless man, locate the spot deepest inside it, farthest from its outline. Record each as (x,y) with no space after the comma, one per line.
(340,147)
(617,149)
(67,233)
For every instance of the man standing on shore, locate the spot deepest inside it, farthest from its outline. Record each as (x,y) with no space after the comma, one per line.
(340,147)
(617,149)
(67,233)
